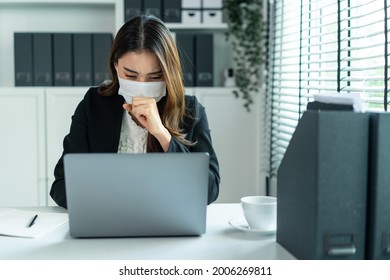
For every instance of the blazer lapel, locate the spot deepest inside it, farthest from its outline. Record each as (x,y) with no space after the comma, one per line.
(106,128)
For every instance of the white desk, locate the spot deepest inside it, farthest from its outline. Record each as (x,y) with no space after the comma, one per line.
(221,241)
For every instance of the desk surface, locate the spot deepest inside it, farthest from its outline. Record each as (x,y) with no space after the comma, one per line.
(221,241)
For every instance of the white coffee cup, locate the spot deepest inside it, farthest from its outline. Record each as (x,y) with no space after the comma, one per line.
(260,212)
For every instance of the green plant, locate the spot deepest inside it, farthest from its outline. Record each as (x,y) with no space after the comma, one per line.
(245,33)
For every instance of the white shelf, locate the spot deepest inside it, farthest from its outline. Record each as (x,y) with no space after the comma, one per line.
(73,89)
(215,26)
(85,16)
(53,2)
(52,16)
(23,5)
(210,90)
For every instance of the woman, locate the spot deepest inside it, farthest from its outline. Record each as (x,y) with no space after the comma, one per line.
(143,108)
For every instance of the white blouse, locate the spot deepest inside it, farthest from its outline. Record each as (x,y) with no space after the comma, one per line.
(133,138)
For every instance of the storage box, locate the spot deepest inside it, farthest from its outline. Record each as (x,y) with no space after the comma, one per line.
(132,8)
(212,16)
(322,187)
(153,7)
(191,4)
(172,10)
(185,42)
(204,60)
(378,222)
(212,4)
(191,16)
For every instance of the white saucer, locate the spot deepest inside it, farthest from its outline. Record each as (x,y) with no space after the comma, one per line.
(241,224)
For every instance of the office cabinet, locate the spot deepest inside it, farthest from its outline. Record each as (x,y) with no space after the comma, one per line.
(22,147)
(236,136)
(60,106)
(33,125)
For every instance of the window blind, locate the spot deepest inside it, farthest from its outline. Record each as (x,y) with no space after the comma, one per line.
(323,47)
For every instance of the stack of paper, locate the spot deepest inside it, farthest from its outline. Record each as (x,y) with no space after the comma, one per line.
(14,222)
(354,99)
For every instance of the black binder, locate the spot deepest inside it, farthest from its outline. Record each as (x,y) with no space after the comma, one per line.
(322,187)
(23,50)
(316,105)
(101,52)
(153,7)
(204,60)
(172,10)
(62,59)
(82,59)
(42,56)
(133,8)
(185,44)
(378,224)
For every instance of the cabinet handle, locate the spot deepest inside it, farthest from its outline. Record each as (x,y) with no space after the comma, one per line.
(386,241)
(342,250)
(340,244)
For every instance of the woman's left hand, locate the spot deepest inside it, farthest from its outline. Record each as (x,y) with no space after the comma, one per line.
(144,109)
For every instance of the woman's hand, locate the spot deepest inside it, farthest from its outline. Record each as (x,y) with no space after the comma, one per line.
(144,110)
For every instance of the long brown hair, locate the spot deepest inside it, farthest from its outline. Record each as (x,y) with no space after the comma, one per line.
(148,33)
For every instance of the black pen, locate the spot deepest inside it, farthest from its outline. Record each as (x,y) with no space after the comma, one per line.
(33,221)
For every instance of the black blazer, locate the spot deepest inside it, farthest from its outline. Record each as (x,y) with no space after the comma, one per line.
(96,126)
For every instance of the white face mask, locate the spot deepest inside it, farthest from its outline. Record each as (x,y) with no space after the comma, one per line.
(129,89)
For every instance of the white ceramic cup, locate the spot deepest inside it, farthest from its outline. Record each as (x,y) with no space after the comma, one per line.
(260,212)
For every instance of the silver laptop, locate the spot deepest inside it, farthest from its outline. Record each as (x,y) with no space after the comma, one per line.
(118,195)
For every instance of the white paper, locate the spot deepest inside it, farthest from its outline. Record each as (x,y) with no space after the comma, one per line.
(354,99)
(14,222)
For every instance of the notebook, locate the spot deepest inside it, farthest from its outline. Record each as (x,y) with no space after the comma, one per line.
(123,195)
